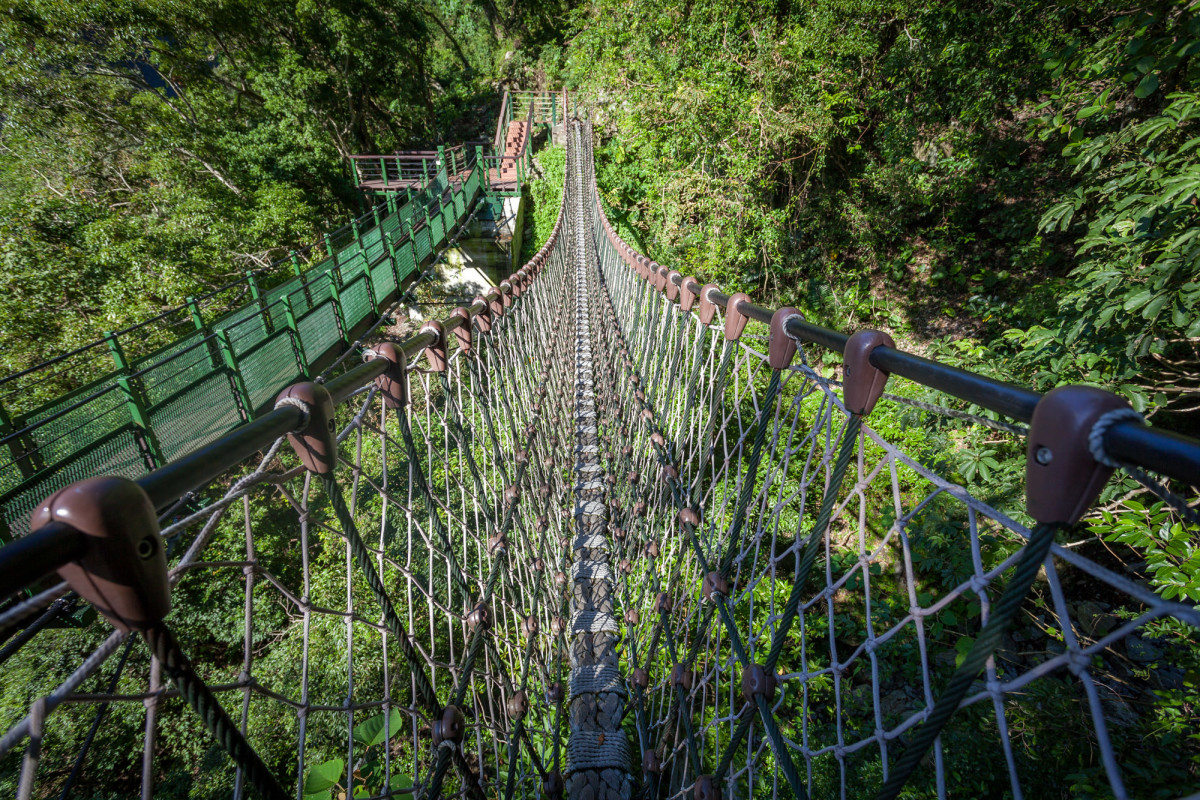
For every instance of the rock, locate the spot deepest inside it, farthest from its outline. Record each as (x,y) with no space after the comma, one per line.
(1092,619)
(1141,651)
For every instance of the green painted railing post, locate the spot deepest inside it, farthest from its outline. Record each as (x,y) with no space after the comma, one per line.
(299,273)
(366,271)
(441,158)
(553,110)
(135,402)
(24,451)
(294,335)
(390,243)
(453,165)
(335,280)
(214,357)
(390,199)
(383,170)
(221,354)
(412,244)
(425,169)
(429,230)
(257,294)
(479,165)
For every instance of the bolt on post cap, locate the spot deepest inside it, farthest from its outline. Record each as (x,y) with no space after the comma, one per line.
(1062,476)
(757,680)
(316,443)
(451,727)
(123,571)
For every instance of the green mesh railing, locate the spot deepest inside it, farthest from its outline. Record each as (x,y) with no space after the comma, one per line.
(164,387)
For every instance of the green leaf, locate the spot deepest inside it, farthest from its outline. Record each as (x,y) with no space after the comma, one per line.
(1150,312)
(372,731)
(962,647)
(323,777)
(1147,86)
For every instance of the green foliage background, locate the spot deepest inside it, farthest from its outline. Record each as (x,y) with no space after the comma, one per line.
(1011,187)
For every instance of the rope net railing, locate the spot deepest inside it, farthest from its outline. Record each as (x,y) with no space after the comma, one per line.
(808,605)
(596,535)
(364,607)
(146,395)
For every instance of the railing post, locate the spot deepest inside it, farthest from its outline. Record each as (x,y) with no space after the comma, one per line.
(257,295)
(390,199)
(24,451)
(383,170)
(294,335)
(299,273)
(220,354)
(354,166)
(366,268)
(391,248)
(135,402)
(198,320)
(335,279)
(480,165)
(412,244)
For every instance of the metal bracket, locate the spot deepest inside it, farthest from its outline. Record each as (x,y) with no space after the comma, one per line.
(708,309)
(862,383)
(450,728)
(316,444)
(1062,477)
(687,298)
(671,287)
(436,352)
(484,319)
(463,332)
(781,348)
(495,303)
(758,680)
(123,572)
(392,384)
(735,320)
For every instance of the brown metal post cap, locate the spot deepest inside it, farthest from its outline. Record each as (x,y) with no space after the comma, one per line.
(706,788)
(497,543)
(652,548)
(463,332)
(480,617)
(735,320)
(512,494)
(393,383)
(632,617)
(557,624)
(640,677)
(316,444)
(436,352)
(651,763)
(543,524)
(670,473)
(639,509)
(663,603)
(681,676)
(517,704)
(123,572)
(1062,477)
(451,727)
(714,583)
(555,693)
(633,477)
(781,348)
(757,680)
(530,627)
(862,383)
(671,286)
(687,298)
(689,516)
(708,309)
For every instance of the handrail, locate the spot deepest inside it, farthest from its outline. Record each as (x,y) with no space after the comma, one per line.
(1132,442)
(54,545)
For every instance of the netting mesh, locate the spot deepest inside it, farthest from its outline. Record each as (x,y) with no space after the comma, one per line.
(603,550)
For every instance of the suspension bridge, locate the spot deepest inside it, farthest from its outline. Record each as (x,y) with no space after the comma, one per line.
(604,532)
